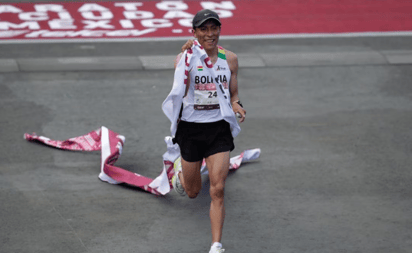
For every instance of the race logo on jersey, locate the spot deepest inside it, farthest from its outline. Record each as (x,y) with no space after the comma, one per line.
(220,68)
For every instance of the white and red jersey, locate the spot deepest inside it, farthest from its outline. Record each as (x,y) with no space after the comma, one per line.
(201,103)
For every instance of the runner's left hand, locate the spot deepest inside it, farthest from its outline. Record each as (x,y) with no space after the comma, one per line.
(238,109)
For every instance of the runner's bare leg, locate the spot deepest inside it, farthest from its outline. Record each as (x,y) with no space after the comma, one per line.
(218,166)
(190,178)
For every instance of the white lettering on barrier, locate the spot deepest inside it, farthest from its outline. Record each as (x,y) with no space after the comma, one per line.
(32,25)
(55,34)
(177,14)
(118,33)
(47,33)
(141,32)
(224,13)
(138,14)
(227,5)
(90,24)
(8,34)
(92,7)
(62,24)
(126,33)
(95,16)
(103,15)
(33,16)
(64,15)
(156,23)
(125,23)
(83,33)
(171,6)
(129,6)
(35,34)
(185,22)
(222,9)
(87,33)
(49,7)
(9,9)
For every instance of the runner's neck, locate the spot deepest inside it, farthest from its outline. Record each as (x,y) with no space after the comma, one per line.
(212,54)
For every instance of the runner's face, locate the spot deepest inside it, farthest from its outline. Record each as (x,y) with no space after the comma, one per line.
(208,34)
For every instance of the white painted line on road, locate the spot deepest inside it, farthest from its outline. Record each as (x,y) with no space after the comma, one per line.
(323,58)
(165,62)
(250,61)
(229,37)
(8,65)
(79,64)
(398,56)
(87,47)
(158,62)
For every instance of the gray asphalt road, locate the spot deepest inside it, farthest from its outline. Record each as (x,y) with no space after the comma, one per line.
(334,174)
(89,49)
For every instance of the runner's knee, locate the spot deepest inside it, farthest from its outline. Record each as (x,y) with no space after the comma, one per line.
(192,193)
(193,190)
(217,191)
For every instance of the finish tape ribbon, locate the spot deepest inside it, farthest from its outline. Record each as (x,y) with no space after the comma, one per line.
(111,145)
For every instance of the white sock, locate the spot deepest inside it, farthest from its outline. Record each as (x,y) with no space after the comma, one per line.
(217,245)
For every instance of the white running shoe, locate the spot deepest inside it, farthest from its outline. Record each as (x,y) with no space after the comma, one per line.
(177,186)
(216,248)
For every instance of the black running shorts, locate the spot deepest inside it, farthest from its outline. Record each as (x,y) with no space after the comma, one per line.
(201,140)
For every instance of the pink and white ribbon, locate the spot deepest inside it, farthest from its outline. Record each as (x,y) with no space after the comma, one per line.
(111,145)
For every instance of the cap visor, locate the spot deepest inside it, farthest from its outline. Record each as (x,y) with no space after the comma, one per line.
(206,19)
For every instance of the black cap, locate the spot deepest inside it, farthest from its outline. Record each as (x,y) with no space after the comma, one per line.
(204,15)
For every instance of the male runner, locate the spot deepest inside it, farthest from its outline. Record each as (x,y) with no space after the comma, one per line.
(202,132)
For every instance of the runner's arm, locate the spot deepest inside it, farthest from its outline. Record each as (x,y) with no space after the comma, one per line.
(233,86)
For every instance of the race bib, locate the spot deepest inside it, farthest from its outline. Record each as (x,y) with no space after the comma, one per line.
(206,97)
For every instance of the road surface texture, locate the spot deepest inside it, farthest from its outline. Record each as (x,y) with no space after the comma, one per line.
(331,116)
